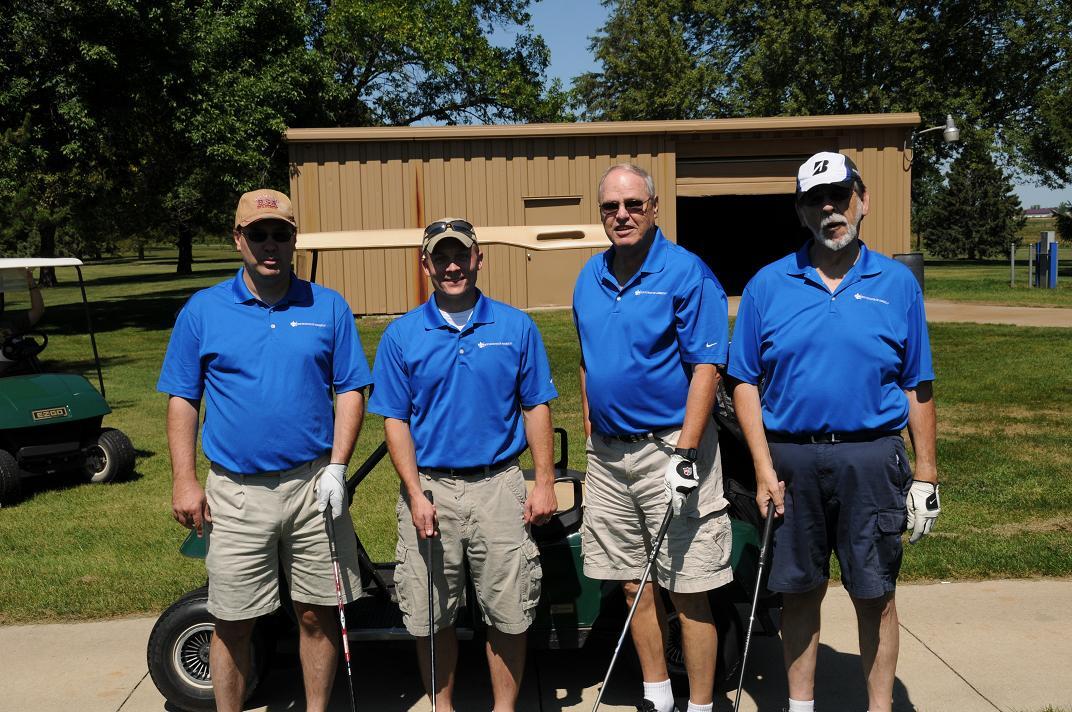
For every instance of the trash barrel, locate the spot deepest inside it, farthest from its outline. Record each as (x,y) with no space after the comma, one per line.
(914,262)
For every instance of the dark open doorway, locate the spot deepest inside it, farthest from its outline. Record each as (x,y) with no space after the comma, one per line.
(737,234)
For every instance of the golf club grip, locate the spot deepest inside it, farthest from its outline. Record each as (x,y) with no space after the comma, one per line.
(768,530)
(329,525)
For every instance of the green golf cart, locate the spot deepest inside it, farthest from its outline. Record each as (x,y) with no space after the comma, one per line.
(51,423)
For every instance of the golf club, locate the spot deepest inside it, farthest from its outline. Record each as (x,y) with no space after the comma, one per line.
(431,611)
(329,524)
(632,609)
(768,528)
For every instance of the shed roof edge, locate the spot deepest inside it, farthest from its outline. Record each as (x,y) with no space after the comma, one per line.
(597,128)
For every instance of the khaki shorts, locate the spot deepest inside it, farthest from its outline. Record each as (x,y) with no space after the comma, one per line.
(625,503)
(482,519)
(263,522)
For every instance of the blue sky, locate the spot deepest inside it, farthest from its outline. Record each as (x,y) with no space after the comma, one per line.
(566,26)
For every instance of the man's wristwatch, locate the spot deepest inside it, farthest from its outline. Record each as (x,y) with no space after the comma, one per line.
(689,454)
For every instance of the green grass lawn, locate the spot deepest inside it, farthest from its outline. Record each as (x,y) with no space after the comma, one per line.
(74,551)
(987,282)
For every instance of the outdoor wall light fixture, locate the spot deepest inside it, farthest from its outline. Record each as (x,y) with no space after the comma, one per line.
(949,130)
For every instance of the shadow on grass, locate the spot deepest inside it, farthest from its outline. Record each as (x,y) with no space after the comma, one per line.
(67,480)
(150,312)
(157,277)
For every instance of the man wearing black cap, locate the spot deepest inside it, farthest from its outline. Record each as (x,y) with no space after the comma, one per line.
(831,361)
(463,384)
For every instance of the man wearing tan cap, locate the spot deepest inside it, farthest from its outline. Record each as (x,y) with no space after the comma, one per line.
(282,372)
(463,384)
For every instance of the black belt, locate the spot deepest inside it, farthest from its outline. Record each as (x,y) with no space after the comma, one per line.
(469,471)
(858,436)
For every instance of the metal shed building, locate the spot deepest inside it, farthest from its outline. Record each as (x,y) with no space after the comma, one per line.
(725,190)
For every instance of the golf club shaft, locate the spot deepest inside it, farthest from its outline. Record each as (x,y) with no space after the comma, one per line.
(768,528)
(329,524)
(431,611)
(636,600)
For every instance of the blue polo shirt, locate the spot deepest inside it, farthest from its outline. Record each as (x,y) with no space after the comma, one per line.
(266,372)
(637,340)
(832,362)
(462,391)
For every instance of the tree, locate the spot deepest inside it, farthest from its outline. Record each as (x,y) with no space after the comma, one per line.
(977,214)
(1064,223)
(399,62)
(126,118)
(660,61)
(1001,66)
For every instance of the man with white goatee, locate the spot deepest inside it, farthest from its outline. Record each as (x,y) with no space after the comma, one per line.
(830,361)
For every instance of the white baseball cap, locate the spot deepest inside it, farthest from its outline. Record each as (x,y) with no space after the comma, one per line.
(826,168)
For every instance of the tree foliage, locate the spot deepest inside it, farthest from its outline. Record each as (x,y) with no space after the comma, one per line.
(976,214)
(1063,222)
(128,118)
(1001,66)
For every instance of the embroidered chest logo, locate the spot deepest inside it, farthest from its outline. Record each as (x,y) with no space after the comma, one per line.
(859,296)
(483,344)
(308,323)
(638,292)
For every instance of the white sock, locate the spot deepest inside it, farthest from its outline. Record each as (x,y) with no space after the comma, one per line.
(661,694)
(693,707)
(801,705)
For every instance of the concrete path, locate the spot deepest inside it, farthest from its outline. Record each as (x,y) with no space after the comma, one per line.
(965,647)
(940,310)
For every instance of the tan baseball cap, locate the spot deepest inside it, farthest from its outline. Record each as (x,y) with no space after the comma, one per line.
(457,228)
(261,204)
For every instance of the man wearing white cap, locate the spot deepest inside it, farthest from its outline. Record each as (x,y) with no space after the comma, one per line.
(831,361)
(268,352)
(463,384)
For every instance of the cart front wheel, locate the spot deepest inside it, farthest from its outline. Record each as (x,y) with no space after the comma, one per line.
(730,646)
(178,654)
(109,458)
(10,484)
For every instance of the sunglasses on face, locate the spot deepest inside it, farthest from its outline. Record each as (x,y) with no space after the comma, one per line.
(439,226)
(259,235)
(633,206)
(831,194)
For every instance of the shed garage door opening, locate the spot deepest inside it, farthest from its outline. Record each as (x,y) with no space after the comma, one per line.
(736,235)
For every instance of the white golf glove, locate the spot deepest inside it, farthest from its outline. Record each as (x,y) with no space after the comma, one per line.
(331,489)
(679,481)
(924,506)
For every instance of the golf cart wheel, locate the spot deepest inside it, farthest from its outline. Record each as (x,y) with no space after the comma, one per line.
(730,646)
(110,458)
(10,484)
(178,654)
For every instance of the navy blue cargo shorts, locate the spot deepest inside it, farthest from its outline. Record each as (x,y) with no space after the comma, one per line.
(846,497)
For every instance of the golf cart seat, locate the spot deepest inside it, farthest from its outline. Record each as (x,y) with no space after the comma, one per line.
(569,491)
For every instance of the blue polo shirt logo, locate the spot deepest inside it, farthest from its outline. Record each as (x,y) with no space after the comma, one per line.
(859,296)
(639,292)
(485,344)
(317,324)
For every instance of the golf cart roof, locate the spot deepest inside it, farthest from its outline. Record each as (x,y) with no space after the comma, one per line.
(531,237)
(36,262)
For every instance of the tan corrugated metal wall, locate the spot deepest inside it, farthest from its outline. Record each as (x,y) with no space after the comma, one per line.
(404,178)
